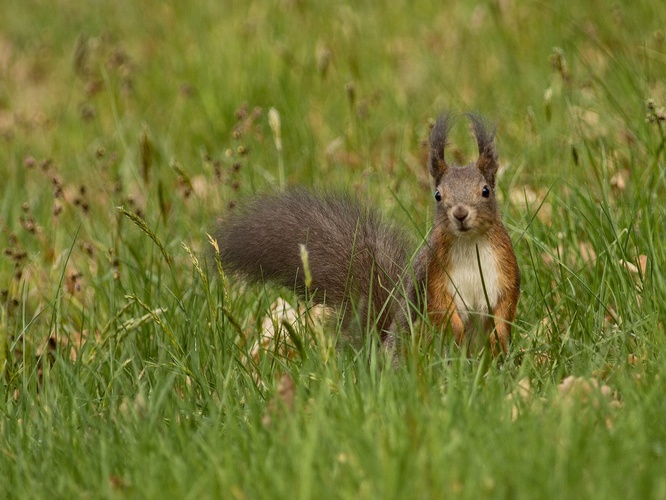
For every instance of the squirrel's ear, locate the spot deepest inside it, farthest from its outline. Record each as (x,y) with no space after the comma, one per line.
(485,139)
(438,141)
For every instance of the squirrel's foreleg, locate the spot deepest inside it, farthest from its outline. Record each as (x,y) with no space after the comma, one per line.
(503,315)
(442,311)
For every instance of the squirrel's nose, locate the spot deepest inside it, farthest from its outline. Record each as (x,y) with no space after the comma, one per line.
(460,213)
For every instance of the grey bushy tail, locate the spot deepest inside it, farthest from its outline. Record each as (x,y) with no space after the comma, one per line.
(356,258)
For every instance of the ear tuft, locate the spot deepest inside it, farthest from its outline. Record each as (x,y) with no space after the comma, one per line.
(485,139)
(438,142)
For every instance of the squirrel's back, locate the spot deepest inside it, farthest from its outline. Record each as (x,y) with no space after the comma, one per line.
(356,258)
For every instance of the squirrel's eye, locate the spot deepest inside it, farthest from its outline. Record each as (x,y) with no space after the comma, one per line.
(438,195)
(485,192)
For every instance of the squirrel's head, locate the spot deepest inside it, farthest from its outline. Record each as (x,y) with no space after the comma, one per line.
(465,195)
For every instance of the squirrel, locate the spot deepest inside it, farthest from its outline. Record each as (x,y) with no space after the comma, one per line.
(465,276)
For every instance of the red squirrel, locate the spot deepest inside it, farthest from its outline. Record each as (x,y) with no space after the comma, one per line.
(465,276)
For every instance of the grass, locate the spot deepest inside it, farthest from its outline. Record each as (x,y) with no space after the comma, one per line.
(126,363)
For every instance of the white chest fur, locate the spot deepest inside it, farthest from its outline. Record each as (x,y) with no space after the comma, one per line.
(467,281)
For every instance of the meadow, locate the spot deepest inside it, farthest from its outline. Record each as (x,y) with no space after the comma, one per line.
(130,368)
